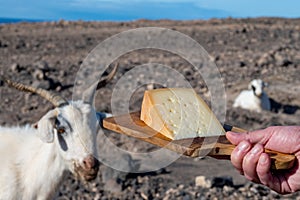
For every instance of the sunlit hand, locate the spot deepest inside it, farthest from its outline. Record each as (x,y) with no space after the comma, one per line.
(248,157)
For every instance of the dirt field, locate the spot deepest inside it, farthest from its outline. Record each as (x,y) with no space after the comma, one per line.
(49,55)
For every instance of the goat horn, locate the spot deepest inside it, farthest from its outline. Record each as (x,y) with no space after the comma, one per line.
(55,99)
(89,94)
(106,79)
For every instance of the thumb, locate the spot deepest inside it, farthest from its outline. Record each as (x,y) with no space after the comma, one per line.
(235,138)
(258,136)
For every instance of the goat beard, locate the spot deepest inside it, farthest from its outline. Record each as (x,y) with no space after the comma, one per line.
(82,174)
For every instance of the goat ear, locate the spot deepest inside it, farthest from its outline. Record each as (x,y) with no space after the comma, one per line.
(45,126)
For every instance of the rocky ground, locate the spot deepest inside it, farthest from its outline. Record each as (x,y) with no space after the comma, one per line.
(49,55)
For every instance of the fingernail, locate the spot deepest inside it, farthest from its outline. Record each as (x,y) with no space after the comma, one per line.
(243,146)
(263,159)
(256,149)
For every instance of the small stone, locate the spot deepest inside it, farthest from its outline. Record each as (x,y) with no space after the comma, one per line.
(2,44)
(170,191)
(227,188)
(202,181)
(144,196)
(21,44)
(15,67)
(38,74)
(254,190)
(242,64)
(242,189)
(58,88)
(62,73)
(42,65)
(140,180)
(264,60)
(180,187)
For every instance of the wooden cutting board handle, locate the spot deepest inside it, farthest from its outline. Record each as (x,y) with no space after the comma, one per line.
(223,149)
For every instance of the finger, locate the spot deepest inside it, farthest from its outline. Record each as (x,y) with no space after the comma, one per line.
(236,138)
(264,174)
(258,136)
(250,162)
(238,155)
(263,169)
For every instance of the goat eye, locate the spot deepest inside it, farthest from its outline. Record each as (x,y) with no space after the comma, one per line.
(61,130)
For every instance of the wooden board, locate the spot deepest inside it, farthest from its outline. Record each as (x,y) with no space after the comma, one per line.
(132,125)
(216,146)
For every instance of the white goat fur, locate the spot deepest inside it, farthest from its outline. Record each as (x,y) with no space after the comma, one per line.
(32,166)
(254,99)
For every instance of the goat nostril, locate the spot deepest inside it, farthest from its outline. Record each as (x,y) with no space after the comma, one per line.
(90,163)
(87,163)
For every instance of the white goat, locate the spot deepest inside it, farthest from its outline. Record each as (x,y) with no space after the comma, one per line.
(254,99)
(33,159)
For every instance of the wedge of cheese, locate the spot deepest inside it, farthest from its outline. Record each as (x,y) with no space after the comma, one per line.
(179,113)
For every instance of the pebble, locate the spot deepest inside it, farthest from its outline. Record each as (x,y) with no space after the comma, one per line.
(3,45)
(15,67)
(264,60)
(228,189)
(42,65)
(63,73)
(20,44)
(144,196)
(202,181)
(242,64)
(38,74)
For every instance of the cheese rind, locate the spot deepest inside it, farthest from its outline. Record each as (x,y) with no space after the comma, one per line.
(179,113)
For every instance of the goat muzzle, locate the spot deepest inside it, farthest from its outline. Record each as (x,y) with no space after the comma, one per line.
(88,169)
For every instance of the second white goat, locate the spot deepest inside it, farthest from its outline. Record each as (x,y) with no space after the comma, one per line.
(254,99)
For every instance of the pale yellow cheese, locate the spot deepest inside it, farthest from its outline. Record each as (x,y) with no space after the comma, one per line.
(179,113)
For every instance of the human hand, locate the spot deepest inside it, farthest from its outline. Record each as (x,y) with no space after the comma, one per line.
(249,157)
